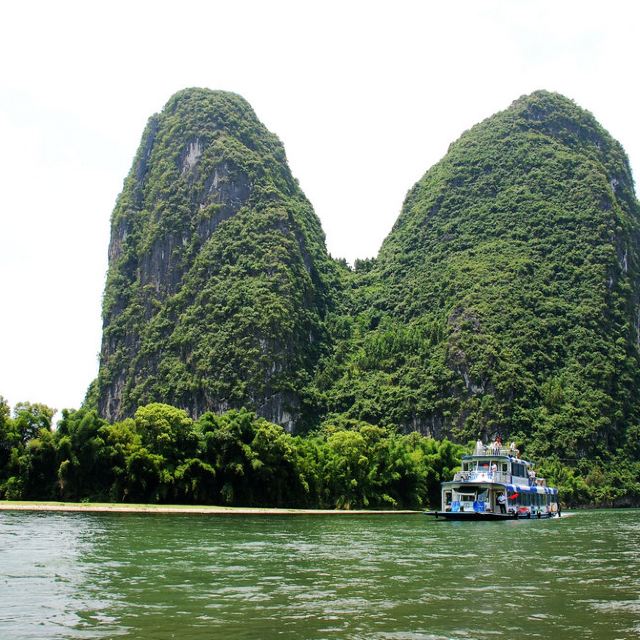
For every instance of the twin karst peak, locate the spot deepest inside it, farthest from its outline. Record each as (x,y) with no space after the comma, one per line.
(504,298)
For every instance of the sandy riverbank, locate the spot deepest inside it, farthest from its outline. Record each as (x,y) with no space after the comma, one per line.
(95,507)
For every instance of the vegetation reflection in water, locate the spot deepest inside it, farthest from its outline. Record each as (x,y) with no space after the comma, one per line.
(142,576)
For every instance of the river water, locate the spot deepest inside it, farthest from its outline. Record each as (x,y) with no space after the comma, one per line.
(71,575)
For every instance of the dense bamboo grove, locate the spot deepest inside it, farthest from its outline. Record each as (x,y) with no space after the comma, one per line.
(161,455)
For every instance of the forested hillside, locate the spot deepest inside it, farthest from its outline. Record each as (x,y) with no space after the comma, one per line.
(505,301)
(218,278)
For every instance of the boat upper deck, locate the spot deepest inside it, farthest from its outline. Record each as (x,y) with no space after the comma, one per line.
(495,450)
(493,463)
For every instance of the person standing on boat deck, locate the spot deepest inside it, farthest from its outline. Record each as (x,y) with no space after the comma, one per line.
(532,477)
(502,501)
(494,469)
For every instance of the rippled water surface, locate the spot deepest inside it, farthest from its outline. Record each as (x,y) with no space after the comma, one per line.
(65,575)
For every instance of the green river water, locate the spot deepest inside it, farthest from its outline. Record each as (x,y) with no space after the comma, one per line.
(72,575)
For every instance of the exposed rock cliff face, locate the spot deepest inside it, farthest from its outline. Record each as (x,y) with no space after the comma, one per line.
(218,276)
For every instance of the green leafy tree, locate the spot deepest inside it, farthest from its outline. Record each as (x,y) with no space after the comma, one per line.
(121,443)
(347,470)
(84,469)
(166,431)
(195,482)
(147,480)
(30,419)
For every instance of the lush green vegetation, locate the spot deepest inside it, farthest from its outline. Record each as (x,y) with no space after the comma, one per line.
(504,301)
(219,278)
(162,455)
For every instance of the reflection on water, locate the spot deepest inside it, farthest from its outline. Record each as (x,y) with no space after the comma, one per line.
(401,577)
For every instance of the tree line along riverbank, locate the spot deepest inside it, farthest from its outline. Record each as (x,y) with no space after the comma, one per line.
(162,456)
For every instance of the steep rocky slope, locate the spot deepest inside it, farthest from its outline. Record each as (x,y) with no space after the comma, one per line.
(218,277)
(505,299)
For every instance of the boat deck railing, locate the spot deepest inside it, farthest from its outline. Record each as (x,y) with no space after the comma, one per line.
(495,450)
(482,476)
(496,476)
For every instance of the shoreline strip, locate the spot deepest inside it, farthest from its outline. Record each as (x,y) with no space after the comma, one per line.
(209,511)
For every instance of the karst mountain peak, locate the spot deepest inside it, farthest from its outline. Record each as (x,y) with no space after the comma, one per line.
(505,298)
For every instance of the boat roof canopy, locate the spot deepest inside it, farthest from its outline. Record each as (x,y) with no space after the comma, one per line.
(535,489)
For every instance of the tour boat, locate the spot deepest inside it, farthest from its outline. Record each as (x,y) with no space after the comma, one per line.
(496,484)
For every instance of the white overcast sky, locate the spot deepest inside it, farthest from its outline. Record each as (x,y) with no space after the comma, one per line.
(365,96)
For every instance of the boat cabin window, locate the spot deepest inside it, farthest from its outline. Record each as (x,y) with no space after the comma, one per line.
(518,469)
(466,497)
(484,466)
